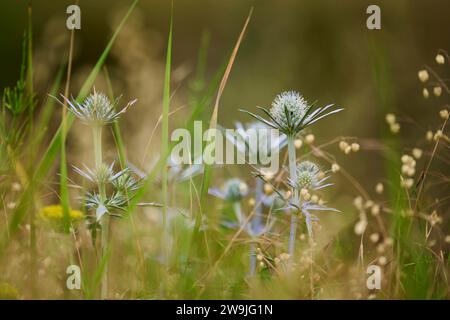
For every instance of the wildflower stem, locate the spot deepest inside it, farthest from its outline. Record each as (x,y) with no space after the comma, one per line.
(258,202)
(252,259)
(238,212)
(105,248)
(97,134)
(293,177)
(255,222)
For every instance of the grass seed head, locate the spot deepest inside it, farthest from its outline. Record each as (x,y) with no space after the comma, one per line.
(440,59)
(423,75)
(437,91)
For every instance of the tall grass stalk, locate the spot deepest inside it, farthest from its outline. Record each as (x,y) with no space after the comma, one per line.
(30,89)
(64,190)
(165,141)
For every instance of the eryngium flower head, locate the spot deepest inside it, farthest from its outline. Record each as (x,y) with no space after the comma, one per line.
(307,175)
(233,190)
(291,113)
(288,108)
(125,182)
(116,202)
(269,141)
(101,175)
(96,109)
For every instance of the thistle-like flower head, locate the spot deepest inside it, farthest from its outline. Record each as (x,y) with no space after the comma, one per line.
(288,109)
(269,141)
(307,175)
(101,175)
(104,173)
(96,109)
(291,113)
(126,182)
(233,190)
(124,188)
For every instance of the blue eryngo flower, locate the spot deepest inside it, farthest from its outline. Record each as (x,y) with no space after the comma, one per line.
(122,188)
(125,182)
(233,190)
(101,175)
(291,113)
(102,206)
(96,109)
(309,177)
(181,173)
(270,140)
(307,174)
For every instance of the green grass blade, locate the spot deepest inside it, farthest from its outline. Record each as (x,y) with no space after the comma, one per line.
(47,109)
(165,132)
(64,189)
(116,127)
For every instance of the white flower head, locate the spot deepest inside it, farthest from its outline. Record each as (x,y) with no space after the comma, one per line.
(97,109)
(233,190)
(307,175)
(269,141)
(290,113)
(101,175)
(288,108)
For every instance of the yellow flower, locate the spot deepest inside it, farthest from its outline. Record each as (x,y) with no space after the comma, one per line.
(55,212)
(8,292)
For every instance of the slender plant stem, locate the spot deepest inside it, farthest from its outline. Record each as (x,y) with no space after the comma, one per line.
(97,133)
(252,259)
(238,212)
(64,192)
(256,222)
(105,248)
(259,189)
(293,177)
